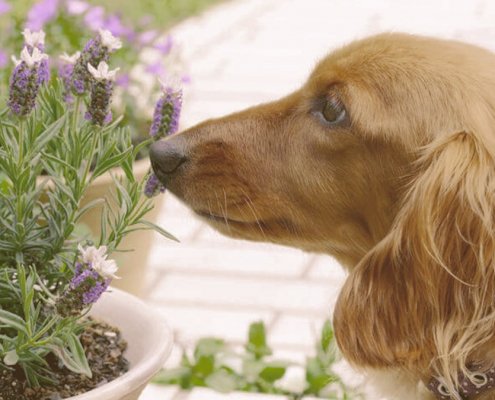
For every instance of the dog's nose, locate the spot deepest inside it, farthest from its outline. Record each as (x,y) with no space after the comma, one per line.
(167,156)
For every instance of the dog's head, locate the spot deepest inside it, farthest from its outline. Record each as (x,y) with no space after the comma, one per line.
(325,168)
(385,159)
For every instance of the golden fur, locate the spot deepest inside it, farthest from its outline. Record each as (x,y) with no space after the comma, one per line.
(403,195)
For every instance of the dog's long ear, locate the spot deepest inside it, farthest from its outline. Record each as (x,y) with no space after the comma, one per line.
(427,290)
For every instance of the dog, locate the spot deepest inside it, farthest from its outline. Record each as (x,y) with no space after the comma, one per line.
(384,159)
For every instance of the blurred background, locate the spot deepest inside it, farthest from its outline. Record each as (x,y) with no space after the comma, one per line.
(228,55)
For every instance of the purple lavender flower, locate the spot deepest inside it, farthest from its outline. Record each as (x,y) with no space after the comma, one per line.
(147,37)
(94,18)
(25,82)
(101,94)
(65,71)
(4,59)
(114,24)
(42,12)
(36,39)
(166,46)
(92,276)
(5,7)
(95,51)
(123,80)
(76,7)
(153,186)
(157,68)
(167,113)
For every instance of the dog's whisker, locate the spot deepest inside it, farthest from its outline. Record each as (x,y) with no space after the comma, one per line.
(222,210)
(252,207)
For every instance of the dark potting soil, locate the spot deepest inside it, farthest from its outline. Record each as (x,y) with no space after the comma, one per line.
(104,348)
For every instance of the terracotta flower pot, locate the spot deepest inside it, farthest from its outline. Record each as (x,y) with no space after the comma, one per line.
(149,344)
(133,265)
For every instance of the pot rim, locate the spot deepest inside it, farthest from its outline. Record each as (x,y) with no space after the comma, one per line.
(151,362)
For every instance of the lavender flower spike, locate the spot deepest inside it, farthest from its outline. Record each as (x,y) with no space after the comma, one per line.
(95,51)
(153,186)
(93,274)
(101,94)
(65,73)
(167,112)
(36,40)
(25,81)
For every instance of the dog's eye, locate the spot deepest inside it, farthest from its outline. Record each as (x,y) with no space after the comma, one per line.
(333,111)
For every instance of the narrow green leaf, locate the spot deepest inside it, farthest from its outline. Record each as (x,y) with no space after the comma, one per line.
(159,229)
(12,321)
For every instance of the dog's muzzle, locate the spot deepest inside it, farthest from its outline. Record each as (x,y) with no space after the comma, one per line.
(167,156)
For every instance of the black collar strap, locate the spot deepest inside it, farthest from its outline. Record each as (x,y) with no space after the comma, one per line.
(469,387)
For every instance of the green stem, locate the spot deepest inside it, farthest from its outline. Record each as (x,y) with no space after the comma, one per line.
(19,192)
(87,170)
(22,126)
(75,115)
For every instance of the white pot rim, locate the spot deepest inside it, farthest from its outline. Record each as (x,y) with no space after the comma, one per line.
(136,320)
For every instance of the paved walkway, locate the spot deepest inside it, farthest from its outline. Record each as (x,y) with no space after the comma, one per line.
(241,53)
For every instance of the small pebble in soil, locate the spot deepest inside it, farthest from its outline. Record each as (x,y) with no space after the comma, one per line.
(104,348)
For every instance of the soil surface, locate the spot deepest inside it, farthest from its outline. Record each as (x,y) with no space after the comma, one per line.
(104,348)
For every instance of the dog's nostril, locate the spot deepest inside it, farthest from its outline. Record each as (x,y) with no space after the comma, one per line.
(167,155)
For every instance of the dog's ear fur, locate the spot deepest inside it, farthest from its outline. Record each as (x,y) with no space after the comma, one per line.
(427,290)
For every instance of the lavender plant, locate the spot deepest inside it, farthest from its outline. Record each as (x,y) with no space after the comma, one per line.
(50,274)
(146,55)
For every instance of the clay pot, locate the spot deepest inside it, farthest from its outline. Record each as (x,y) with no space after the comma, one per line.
(149,344)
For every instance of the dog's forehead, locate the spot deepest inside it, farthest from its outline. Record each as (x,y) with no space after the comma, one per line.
(392,83)
(392,58)
(379,57)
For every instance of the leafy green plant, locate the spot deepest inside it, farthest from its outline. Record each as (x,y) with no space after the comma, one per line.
(50,153)
(215,364)
(69,24)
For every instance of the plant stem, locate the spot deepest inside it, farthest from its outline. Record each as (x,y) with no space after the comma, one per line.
(75,116)
(22,126)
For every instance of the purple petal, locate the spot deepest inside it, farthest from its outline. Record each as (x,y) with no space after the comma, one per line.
(5,7)
(114,24)
(77,7)
(156,69)
(4,59)
(147,37)
(40,13)
(165,46)
(123,80)
(95,18)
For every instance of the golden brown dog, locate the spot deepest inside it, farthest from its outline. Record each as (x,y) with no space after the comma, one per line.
(385,159)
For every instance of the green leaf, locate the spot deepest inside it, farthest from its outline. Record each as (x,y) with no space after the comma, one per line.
(52,131)
(327,335)
(205,365)
(78,354)
(177,376)
(316,376)
(159,229)
(12,321)
(208,347)
(221,381)
(257,340)
(73,358)
(273,371)
(251,369)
